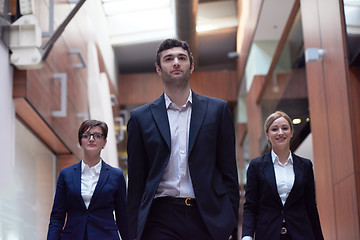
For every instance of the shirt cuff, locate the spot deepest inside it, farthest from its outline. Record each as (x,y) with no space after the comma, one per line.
(247,238)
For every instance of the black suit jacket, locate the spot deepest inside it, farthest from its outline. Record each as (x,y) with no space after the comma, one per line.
(264,211)
(211,158)
(98,219)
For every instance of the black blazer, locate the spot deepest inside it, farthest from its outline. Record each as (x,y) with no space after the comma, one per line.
(98,219)
(212,163)
(264,211)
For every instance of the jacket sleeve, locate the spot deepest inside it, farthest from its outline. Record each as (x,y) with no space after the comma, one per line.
(58,213)
(251,201)
(120,208)
(137,172)
(226,158)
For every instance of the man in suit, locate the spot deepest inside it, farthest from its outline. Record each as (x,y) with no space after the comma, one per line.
(89,194)
(182,170)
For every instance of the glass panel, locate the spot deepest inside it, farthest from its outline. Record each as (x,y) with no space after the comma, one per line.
(287,88)
(27,200)
(352,21)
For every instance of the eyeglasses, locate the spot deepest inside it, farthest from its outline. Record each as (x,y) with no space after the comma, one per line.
(96,136)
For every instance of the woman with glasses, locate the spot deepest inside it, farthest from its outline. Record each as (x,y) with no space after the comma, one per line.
(90,193)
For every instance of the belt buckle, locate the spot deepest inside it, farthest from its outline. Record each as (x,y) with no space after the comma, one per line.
(283,230)
(188,203)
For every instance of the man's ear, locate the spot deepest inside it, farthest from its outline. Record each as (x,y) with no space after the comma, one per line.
(192,68)
(158,69)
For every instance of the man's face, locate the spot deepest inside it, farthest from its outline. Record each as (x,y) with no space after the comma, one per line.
(175,66)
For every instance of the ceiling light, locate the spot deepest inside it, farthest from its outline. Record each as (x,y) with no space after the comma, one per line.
(296,121)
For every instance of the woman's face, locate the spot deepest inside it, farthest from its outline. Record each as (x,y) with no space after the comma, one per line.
(93,140)
(279,134)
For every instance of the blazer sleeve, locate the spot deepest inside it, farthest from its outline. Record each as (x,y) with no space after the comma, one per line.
(58,213)
(310,201)
(137,172)
(120,207)
(226,157)
(251,204)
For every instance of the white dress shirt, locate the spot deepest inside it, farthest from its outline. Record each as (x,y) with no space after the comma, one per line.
(285,177)
(176,181)
(89,179)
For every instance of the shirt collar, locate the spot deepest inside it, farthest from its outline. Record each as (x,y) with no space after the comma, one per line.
(168,100)
(97,167)
(275,157)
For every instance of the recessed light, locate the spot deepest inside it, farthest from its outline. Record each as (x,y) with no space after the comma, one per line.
(296,121)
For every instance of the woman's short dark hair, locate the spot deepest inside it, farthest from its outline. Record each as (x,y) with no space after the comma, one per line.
(89,124)
(171,43)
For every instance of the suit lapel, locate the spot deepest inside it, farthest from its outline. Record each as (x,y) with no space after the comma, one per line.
(199,108)
(299,174)
(104,175)
(269,172)
(158,110)
(77,182)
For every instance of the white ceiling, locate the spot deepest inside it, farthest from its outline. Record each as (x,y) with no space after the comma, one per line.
(138,26)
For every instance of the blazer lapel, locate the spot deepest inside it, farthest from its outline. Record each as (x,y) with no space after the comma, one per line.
(77,182)
(158,110)
(268,169)
(104,175)
(199,108)
(299,174)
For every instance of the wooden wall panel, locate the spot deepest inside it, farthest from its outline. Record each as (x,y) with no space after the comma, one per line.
(218,84)
(336,88)
(42,92)
(345,200)
(341,144)
(138,89)
(330,120)
(319,124)
(31,118)
(354,90)
(65,160)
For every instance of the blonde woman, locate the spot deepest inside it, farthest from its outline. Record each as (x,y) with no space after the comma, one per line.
(280,192)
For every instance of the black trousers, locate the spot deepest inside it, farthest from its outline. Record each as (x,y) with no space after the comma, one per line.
(168,220)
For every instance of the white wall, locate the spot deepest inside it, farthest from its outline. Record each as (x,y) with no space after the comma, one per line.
(306,148)
(7,119)
(97,21)
(259,60)
(100,107)
(26,201)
